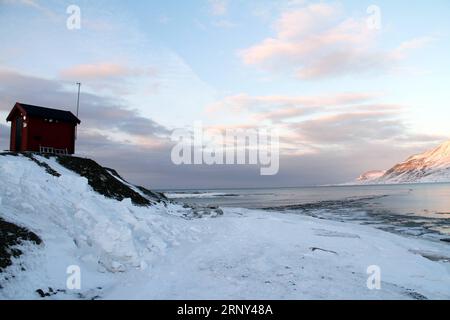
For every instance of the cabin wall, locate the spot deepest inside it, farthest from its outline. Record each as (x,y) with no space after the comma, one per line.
(12,137)
(59,135)
(12,144)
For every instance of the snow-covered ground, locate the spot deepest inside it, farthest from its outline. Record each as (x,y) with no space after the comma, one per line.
(130,252)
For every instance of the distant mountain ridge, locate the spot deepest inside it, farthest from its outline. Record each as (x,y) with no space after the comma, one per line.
(430,166)
(371,175)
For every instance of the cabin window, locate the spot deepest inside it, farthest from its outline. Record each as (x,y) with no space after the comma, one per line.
(24,124)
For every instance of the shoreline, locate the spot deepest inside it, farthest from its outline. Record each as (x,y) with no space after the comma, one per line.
(164,251)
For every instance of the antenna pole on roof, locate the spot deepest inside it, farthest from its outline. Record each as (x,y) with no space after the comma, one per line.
(78,99)
(78,107)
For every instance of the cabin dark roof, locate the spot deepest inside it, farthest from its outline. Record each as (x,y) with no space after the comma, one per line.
(45,113)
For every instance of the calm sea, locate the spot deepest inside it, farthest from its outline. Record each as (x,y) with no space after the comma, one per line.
(414,209)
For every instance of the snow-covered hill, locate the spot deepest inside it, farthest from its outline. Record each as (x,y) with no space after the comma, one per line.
(371,175)
(430,166)
(131,243)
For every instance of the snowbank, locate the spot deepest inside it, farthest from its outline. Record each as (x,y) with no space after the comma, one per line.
(80,226)
(153,252)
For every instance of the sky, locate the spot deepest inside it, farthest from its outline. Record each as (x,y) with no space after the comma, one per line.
(351,86)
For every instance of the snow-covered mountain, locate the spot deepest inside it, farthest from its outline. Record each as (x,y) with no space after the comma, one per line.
(430,166)
(371,175)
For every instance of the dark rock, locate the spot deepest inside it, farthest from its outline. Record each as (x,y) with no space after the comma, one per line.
(12,235)
(158,196)
(9,153)
(198,211)
(44,165)
(41,293)
(324,250)
(415,295)
(102,180)
(49,293)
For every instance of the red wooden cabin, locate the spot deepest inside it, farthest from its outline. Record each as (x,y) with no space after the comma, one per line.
(42,129)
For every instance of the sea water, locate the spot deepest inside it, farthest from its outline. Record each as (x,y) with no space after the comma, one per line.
(411,209)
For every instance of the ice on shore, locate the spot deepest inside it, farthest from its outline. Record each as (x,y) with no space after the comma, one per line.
(130,252)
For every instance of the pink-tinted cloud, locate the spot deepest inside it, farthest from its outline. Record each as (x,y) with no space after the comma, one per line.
(313,18)
(318,41)
(104,71)
(280,114)
(244,102)
(218,7)
(310,124)
(412,44)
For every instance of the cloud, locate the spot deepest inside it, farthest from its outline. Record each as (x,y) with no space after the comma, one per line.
(289,113)
(280,114)
(113,78)
(313,18)
(32,4)
(244,102)
(111,132)
(311,124)
(350,127)
(412,44)
(112,116)
(355,135)
(348,132)
(218,7)
(318,41)
(315,124)
(104,71)
(99,113)
(224,23)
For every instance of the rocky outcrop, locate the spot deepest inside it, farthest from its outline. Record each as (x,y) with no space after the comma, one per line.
(104,181)
(11,237)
